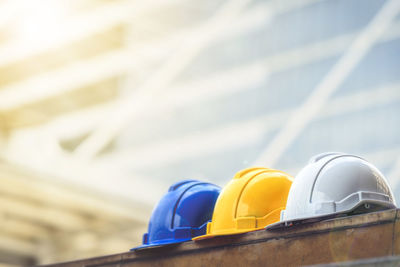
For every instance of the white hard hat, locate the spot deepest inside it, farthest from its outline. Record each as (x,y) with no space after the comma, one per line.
(337,183)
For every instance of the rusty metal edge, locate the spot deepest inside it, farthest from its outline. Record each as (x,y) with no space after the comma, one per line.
(339,224)
(362,262)
(169,254)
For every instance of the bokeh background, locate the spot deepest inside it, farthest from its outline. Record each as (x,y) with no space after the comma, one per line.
(104,104)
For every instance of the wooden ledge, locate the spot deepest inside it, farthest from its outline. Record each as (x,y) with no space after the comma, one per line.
(336,240)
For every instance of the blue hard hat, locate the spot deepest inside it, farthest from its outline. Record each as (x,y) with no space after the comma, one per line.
(181,214)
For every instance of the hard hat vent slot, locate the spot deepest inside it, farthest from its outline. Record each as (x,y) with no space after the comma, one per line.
(362,200)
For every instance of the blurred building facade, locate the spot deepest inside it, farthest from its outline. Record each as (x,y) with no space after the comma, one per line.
(103,104)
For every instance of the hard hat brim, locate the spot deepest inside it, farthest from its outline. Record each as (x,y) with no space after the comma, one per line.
(227,233)
(168,243)
(379,206)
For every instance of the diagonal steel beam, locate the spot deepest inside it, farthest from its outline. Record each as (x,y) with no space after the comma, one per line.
(115,63)
(340,71)
(247,133)
(130,105)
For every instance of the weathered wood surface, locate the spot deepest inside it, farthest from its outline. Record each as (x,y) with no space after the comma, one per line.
(388,261)
(338,240)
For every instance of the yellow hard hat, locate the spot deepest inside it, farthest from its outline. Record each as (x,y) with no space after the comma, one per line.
(251,201)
